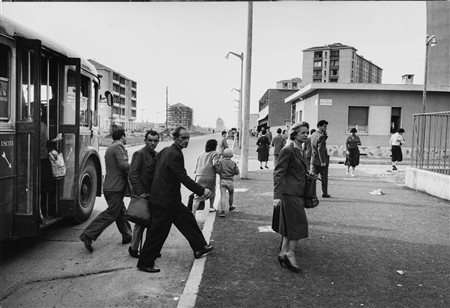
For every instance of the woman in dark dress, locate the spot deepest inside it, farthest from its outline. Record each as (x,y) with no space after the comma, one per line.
(289,178)
(352,151)
(263,144)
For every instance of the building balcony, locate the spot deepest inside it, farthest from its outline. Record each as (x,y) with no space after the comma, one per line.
(133,107)
(115,81)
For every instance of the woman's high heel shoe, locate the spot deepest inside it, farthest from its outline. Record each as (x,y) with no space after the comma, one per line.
(291,265)
(282,261)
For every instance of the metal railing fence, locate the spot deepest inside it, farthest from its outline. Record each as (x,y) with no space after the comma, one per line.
(431,142)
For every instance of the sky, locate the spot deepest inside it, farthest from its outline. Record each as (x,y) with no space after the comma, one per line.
(182,45)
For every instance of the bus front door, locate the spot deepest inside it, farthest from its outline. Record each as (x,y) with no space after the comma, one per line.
(26,210)
(70,128)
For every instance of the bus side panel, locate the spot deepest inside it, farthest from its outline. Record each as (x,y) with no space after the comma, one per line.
(6,183)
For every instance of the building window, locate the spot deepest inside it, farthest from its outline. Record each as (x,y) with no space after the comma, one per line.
(317,54)
(285,85)
(334,53)
(4,83)
(396,113)
(317,63)
(294,84)
(325,64)
(358,117)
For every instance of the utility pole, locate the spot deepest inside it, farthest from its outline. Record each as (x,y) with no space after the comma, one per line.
(246,114)
(167,104)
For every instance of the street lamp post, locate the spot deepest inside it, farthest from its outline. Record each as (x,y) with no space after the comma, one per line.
(430,41)
(241,57)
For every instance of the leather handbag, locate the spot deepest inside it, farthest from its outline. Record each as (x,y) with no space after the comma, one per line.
(310,196)
(138,211)
(276,218)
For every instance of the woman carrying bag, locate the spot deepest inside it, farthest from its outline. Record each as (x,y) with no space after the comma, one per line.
(289,179)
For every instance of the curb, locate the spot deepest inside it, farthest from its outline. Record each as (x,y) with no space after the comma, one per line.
(189,296)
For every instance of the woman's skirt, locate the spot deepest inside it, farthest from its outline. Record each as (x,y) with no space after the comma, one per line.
(352,159)
(263,153)
(397,153)
(207,182)
(293,221)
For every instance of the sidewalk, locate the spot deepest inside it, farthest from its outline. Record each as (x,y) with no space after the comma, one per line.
(363,250)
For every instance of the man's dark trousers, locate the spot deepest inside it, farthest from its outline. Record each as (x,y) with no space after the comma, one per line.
(162,220)
(323,171)
(114,213)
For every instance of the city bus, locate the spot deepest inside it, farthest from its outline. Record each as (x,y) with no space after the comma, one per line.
(45,91)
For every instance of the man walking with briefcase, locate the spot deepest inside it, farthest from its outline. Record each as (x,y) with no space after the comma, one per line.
(141,173)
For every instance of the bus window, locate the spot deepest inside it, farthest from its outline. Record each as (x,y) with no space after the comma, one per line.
(68,109)
(27,71)
(94,104)
(84,102)
(4,83)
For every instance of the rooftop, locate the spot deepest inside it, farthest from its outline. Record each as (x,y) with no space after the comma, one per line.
(312,87)
(330,46)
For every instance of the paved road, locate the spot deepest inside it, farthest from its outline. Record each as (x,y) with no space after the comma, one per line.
(54,270)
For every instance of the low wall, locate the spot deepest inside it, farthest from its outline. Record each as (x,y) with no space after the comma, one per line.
(368,151)
(435,184)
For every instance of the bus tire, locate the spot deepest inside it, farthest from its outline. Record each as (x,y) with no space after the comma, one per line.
(87,192)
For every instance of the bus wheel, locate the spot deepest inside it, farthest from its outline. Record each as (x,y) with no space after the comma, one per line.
(87,192)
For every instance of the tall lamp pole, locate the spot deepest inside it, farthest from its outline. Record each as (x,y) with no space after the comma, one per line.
(246,113)
(430,41)
(241,57)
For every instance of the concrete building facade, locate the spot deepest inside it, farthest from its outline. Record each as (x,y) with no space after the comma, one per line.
(124,109)
(438,23)
(375,110)
(179,115)
(338,63)
(273,112)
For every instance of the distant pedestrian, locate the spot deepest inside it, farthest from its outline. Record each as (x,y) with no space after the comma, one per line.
(141,174)
(396,142)
(223,143)
(167,206)
(289,179)
(278,143)
(308,149)
(319,155)
(284,134)
(205,174)
(114,189)
(352,151)
(263,144)
(269,134)
(227,169)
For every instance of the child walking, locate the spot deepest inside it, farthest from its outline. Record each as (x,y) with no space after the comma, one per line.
(227,169)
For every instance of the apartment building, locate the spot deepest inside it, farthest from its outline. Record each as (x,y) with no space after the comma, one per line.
(179,115)
(124,109)
(338,63)
(273,112)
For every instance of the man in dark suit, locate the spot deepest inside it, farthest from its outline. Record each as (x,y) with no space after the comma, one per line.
(319,155)
(142,170)
(114,188)
(167,206)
